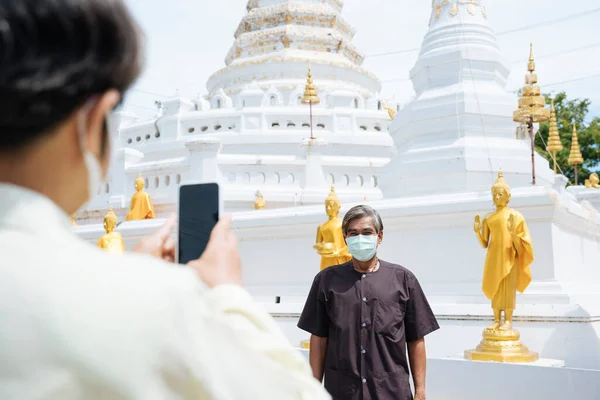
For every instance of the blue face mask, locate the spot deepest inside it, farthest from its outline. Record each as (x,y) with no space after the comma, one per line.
(362,248)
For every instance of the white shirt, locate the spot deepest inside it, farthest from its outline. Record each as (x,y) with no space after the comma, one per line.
(79,323)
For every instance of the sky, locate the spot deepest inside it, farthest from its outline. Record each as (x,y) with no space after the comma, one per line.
(187,41)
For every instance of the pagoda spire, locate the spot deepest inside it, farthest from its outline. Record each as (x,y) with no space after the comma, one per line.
(310,97)
(531,106)
(575,157)
(554,142)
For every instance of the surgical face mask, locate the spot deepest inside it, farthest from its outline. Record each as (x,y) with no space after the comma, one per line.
(361,247)
(92,164)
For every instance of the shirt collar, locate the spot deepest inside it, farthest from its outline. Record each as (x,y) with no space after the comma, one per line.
(24,209)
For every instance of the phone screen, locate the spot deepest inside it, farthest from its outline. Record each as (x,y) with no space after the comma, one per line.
(198,215)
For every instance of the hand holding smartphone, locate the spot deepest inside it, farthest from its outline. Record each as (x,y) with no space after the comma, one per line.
(199,209)
(206,244)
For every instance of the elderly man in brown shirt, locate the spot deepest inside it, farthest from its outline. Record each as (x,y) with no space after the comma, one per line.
(363,315)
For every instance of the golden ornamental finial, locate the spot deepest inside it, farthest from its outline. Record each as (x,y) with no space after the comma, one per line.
(310,92)
(554,142)
(531,103)
(531,64)
(575,157)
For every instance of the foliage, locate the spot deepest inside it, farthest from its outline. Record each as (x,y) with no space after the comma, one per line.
(567,113)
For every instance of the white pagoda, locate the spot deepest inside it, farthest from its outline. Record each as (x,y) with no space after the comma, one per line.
(451,141)
(249,133)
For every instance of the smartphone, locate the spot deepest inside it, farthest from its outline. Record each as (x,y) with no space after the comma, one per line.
(199,210)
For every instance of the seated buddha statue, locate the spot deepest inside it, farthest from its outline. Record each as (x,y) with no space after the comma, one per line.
(260,202)
(112,241)
(595,181)
(141,203)
(331,245)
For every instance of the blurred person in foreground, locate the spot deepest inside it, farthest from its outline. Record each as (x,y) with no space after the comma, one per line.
(76,323)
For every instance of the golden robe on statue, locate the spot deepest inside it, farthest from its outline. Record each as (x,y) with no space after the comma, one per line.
(506,270)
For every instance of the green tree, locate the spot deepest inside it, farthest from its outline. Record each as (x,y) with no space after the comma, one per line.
(567,113)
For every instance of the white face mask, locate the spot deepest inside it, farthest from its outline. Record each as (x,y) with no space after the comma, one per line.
(92,164)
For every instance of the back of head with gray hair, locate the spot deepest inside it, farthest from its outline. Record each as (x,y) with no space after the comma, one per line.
(360,212)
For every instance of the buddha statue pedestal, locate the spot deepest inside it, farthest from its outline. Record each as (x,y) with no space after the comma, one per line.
(501,346)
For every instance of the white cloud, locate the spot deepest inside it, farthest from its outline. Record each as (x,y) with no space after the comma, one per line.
(187,41)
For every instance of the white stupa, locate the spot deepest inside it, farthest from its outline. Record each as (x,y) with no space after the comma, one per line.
(249,132)
(458,129)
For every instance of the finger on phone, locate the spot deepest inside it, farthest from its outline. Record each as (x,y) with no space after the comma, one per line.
(222,228)
(165,231)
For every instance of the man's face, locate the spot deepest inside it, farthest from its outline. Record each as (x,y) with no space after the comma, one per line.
(365,227)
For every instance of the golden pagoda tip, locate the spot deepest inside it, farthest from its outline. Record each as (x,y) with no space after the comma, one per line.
(530,51)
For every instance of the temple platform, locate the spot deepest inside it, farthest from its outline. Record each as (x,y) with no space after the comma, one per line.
(558,316)
(455,378)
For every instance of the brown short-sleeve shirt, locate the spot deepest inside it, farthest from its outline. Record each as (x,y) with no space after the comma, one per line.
(368,319)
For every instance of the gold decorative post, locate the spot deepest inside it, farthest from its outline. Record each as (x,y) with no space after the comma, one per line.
(554,143)
(310,97)
(112,241)
(531,106)
(330,243)
(575,157)
(74,219)
(506,271)
(260,202)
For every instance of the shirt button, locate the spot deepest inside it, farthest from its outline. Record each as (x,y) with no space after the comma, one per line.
(364,324)
(364,380)
(364,299)
(364,275)
(363,351)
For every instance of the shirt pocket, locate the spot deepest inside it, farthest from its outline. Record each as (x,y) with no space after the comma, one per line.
(389,317)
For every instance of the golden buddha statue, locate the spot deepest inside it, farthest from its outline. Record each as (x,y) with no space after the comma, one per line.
(505,235)
(74,219)
(593,182)
(141,203)
(260,203)
(331,245)
(112,241)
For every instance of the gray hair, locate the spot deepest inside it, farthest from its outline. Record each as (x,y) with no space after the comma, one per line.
(360,212)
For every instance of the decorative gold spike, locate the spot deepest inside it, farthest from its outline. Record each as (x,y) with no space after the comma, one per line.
(554,143)
(575,157)
(310,92)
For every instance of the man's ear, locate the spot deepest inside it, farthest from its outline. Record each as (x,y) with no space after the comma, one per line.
(96,121)
(380,235)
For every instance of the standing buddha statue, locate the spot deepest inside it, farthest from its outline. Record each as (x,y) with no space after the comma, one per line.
(112,241)
(505,235)
(330,244)
(141,203)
